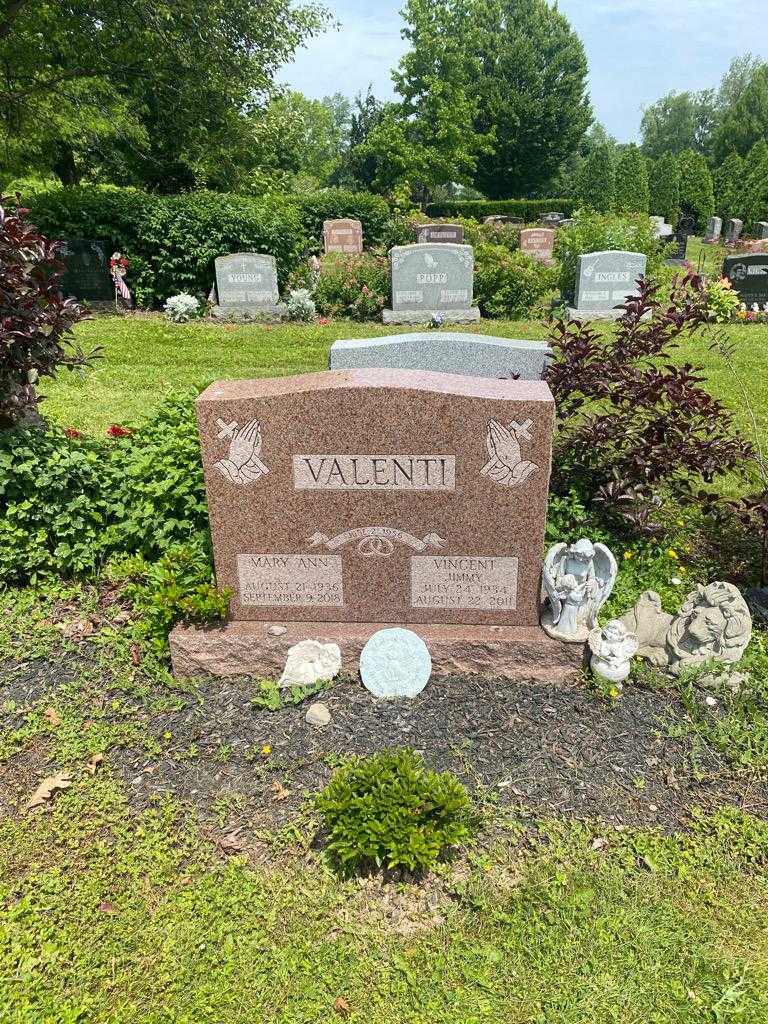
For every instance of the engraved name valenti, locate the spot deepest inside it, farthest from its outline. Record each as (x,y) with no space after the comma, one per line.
(374,472)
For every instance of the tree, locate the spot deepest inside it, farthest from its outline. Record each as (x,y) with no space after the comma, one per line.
(664,188)
(697,197)
(566,182)
(598,180)
(754,196)
(745,121)
(296,137)
(679,121)
(153,91)
(631,190)
(359,164)
(728,181)
(532,100)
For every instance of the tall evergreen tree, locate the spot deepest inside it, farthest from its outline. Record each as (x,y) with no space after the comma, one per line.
(597,182)
(697,197)
(631,191)
(729,180)
(664,188)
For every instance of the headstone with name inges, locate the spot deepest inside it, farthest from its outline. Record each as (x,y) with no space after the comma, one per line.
(246,285)
(344,235)
(762,229)
(538,243)
(431,281)
(87,275)
(733,231)
(603,282)
(714,230)
(749,276)
(440,233)
(476,355)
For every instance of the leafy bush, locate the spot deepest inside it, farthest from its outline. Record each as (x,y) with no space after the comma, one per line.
(335,203)
(664,188)
(172,241)
(390,810)
(182,308)
(631,425)
(527,209)
(352,286)
(596,186)
(728,181)
(631,190)
(723,302)
(697,196)
(301,305)
(595,232)
(509,284)
(35,321)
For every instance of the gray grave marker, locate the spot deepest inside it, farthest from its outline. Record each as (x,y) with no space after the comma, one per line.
(733,231)
(749,277)
(246,285)
(714,229)
(431,281)
(603,282)
(762,229)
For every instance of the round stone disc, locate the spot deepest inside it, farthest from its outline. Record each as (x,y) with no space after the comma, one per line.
(395,663)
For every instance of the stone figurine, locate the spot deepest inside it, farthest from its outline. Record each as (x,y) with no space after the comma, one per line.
(613,647)
(651,624)
(714,623)
(577,581)
(310,661)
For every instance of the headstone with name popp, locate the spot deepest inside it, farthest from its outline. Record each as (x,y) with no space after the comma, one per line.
(714,230)
(344,235)
(749,276)
(733,231)
(87,275)
(440,233)
(604,280)
(431,282)
(246,285)
(538,243)
(476,355)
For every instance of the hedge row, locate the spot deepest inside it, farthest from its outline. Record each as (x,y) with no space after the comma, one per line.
(527,209)
(171,242)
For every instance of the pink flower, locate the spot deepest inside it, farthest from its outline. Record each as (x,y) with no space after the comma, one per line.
(117,431)
(71,432)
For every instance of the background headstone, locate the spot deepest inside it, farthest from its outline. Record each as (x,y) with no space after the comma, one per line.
(538,243)
(603,282)
(680,239)
(660,227)
(762,229)
(87,275)
(246,284)
(714,229)
(476,355)
(431,280)
(733,231)
(749,277)
(440,233)
(551,220)
(343,236)
(433,513)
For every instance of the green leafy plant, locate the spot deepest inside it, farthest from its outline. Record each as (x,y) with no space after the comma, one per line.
(509,284)
(352,286)
(272,697)
(390,810)
(723,303)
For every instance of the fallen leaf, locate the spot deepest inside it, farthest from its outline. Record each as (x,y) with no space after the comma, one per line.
(231,842)
(281,793)
(342,1007)
(108,908)
(46,789)
(599,843)
(94,763)
(135,654)
(51,717)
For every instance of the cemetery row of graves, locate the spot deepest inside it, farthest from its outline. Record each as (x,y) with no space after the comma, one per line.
(428,650)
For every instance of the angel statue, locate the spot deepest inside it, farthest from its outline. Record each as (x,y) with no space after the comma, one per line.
(507,466)
(242,465)
(613,647)
(577,581)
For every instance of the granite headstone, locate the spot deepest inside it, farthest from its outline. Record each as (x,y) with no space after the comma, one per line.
(733,231)
(761,229)
(431,282)
(440,233)
(344,235)
(749,277)
(246,285)
(603,282)
(87,275)
(476,355)
(538,243)
(714,230)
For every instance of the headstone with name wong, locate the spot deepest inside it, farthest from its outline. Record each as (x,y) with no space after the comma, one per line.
(246,286)
(714,230)
(344,235)
(538,243)
(87,275)
(476,355)
(749,276)
(431,282)
(733,231)
(346,501)
(603,282)
(440,233)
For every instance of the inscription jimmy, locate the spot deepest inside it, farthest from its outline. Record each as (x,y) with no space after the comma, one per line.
(374,472)
(299,581)
(464,581)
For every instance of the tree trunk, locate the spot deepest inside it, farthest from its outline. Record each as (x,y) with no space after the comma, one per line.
(64,166)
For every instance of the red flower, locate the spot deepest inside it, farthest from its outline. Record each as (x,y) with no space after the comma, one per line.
(71,432)
(323,321)
(117,431)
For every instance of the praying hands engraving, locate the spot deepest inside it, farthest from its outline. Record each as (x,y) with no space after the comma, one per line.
(242,466)
(507,466)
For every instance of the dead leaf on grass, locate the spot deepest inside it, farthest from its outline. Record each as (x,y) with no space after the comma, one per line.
(108,908)
(49,786)
(281,793)
(342,1007)
(94,763)
(135,654)
(231,843)
(51,717)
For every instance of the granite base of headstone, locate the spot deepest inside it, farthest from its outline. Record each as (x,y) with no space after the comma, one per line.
(604,281)
(476,355)
(246,288)
(431,283)
(748,275)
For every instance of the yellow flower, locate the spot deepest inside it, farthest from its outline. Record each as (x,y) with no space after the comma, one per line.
(167,735)
(266,750)
(672,553)
(680,522)
(628,555)
(742,314)
(614,692)
(725,282)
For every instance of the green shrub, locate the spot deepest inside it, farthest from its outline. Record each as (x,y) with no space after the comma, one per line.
(697,196)
(596,186)
(508,285)
(631,186)
(372,211)
(723,302)
(595,232)
(390,810)
(664,188)
(172,241)
(528,210)
(352,286)
(728,181)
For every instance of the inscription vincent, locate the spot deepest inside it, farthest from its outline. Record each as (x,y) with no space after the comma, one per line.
(242,465)
(374,472)
(506,465)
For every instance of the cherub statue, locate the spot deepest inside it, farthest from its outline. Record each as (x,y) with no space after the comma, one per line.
(714,623)
(577,581)
(243,465)
(613,648)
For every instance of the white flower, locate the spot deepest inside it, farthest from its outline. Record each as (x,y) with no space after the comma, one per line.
(301,305)
(675,581)
(181,308)
(755,307)
(32,376)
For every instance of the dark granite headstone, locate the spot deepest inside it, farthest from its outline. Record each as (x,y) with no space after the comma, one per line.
(440,233)
(87,276)
(749,277)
